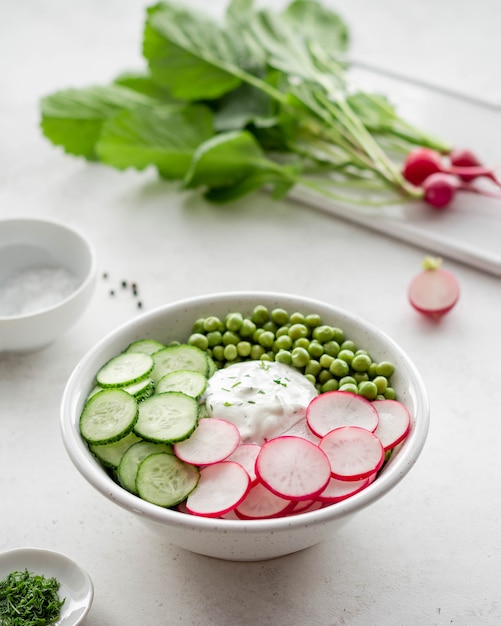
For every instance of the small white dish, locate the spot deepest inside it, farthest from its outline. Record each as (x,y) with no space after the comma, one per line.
(75,584)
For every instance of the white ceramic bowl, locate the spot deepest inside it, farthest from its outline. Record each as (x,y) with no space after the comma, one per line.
(28,246)
(237,539)
(76,586)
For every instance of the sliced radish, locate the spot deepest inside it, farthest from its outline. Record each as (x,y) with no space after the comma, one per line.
(435,290)
(261,503)
(221,488)
(338,490)
(293,467)
(301,429)
(313,505)
(334,409)
(246,455)
(394,422)
(354,453)
(213,440)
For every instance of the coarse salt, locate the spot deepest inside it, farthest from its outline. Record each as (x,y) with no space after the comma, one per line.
(34,289)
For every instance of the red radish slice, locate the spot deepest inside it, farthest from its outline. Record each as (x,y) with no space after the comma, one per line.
(354,453)
(301,429)
(213,440)
(313,505)
(246,455)
(435,290)
(394,422)
(334,409)
(221,488)
(338,490)
(261,503)
(292,467)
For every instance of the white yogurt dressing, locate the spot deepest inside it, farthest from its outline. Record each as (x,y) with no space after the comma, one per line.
(263,399)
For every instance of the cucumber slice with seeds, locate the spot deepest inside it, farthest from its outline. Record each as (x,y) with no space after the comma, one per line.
(125,369)
(127,469)
(165,480)
(110,454)
(180,357)
(191,383)
(167,417)
(149,346)
(108,416)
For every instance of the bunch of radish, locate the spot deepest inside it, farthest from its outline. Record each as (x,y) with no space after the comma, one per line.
(335,453)
(441,177)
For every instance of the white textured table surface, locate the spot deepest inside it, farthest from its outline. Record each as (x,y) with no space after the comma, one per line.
(427,554)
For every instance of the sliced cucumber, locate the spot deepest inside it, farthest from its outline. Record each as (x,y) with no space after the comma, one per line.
(110,454)
(141,390)
(149,346)
(127,469)
(167,417)
(108,416)
(189,382)
(125,369)
(165,480)
(180,357)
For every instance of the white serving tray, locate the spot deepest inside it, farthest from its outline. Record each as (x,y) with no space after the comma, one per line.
(469,231)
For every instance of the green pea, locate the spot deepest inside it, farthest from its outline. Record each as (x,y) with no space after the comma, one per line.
(283,356)
(212,323)
(313,367)
(316,349)
(257,352)
(300,357)
(266,339)
(218,353)
(323,333)
(215,338)
(256,334)
(198,326)
(361,362)
(347,344)
(332,347)
(345,380)
(346,355)
(244,348)
(297,318)
(230,352)
(372,371)
(326,360)
(385,368)
(311,378)
(283,330)
(368,390)
(330,385)
(324,375)
(302,342)
(266,356)
(298,330)
(338,335)
(360,376)
(230,338)
(271,326)
(280,316)
(199,340)
(349,387)
(260,315)
(284,342)
(339,368)
(313,320)
(234,321)
(390,393)
(248,328)
(381,383)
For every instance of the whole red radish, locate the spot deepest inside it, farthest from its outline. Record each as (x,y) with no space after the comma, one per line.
(440,189)
(421,163)
(468,167)
(435,290)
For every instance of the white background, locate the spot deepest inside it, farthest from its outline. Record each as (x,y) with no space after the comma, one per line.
(427,554)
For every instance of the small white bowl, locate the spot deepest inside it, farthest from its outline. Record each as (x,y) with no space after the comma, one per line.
(75,583)
(29,246)
(241,540)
